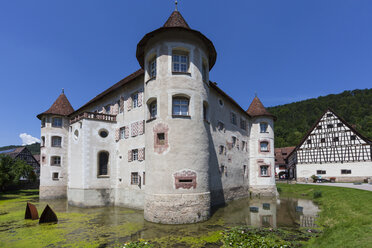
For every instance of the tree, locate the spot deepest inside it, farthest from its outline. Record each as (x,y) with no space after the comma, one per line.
(12,170)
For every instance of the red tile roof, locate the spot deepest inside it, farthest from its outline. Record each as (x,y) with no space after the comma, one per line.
(257,109)
(281,154)
(60,107)
(176,20)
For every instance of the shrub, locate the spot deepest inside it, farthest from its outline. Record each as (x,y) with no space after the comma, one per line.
(314,178)
(279,189)
(317,194)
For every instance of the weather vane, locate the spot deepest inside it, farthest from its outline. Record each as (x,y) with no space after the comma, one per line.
(176,2)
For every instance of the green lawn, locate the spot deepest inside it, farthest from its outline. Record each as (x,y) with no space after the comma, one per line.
(345,218)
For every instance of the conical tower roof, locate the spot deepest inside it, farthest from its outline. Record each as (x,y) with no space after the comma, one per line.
(175,22)
(60,107)
(257,109)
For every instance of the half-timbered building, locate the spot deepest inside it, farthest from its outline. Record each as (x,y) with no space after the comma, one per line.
(332,149)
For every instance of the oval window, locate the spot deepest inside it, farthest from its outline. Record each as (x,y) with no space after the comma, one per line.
(220,102)
(103,133)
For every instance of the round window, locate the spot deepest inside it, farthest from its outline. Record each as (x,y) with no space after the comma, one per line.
(76,134)
(103,133)
(220,102)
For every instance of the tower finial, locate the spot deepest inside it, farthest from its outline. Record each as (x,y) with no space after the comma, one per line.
(176,2)
(63,91)
(255,94)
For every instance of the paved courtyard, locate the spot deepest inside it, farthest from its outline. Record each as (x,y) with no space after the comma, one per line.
(364,186)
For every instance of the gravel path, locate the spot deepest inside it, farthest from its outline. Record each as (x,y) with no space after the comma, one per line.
(364,186)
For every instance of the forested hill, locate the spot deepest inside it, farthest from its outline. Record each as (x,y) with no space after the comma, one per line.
(33,148)
(295,119)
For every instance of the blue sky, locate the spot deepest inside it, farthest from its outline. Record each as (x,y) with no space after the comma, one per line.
(286,50)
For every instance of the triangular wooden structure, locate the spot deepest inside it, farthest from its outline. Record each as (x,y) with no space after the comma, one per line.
(31,212)
(48,216)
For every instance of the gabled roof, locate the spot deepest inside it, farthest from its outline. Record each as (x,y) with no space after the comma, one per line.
(257,109)
(175,22)
(317,122)
(119,84)
(60,107)
(281,154)
(13,152)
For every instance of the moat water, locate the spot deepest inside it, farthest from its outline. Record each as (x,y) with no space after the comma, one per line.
(112,226)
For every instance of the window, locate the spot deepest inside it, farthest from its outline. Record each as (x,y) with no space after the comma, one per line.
(322,140)
(55,176)
(329,115)
(122,133)
(103,133)
(135,100)
(220,102)
(76,134)
(220,126)
(180,61)
(243,124)
(335,139)
(107,109)
(321,172)
(134,178)
(264,145)
(330,126)
(152,68)
(55,161)
(221,149)
(223,170)
(244,169)
(42,141)
(233,141)
(264,170)
(319,127)
(43,122)
(244,145)
(233,118)
(204,72)
(134,154)
(143,178)
(160,139)
(308,141)
(263,127)
(180,106)
(56,141)
(153,109)
(339,124)
(57,122)
(345,171)
(205,111)
(353,137)
(103,159)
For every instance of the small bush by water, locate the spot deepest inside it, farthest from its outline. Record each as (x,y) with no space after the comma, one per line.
(317,194)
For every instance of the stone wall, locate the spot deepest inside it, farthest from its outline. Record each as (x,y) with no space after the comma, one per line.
(52,192)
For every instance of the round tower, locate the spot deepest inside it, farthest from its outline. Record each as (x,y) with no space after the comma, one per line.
(262,156)
(176,60)
(53,149)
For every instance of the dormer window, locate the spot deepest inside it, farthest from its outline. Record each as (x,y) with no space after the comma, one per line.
(152,68)
(263,127)
(180,61)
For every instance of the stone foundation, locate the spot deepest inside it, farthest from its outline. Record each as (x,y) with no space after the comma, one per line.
(52,192)
(90,197)
(177,208)
(263,190)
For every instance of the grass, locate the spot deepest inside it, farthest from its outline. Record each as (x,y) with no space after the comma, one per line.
(345,218)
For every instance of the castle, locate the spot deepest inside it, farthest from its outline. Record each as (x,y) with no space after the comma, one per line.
(165,139)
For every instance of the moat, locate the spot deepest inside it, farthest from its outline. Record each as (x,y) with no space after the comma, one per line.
(113,226)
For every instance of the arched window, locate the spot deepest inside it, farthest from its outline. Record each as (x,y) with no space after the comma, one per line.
(153,109)
(263,127)
(103,159)
(180,106)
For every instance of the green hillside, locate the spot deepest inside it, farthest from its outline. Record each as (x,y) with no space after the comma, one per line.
(295,119)
(33,148)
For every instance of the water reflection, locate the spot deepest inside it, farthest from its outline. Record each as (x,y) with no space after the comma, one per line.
(257,212)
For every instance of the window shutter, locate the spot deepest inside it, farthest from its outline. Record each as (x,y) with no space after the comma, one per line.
(134,128)
(126,132)
(141,154)
(129,103)
(117,134)
(141,128)
(130,156)
(140,96)
(121,107)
